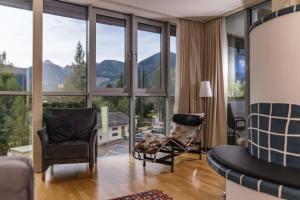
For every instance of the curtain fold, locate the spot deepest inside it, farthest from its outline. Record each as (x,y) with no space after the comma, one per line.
(190,60)
(201,58)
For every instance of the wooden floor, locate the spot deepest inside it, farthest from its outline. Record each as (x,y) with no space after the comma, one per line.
(122,175)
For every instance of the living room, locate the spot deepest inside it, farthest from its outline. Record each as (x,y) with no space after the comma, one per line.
(127,99)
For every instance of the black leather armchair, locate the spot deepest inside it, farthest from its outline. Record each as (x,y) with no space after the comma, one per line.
(82,148)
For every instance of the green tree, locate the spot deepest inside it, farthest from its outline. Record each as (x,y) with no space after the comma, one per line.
(14,110)
(77,80)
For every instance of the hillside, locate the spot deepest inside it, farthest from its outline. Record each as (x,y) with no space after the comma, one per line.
(108,72)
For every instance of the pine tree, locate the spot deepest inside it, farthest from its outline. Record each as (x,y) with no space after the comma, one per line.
(77,80)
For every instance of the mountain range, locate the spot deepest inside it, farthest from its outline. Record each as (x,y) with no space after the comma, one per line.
(107,72)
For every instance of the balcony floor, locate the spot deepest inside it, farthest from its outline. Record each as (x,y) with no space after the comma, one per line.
(122,175)
(116,148)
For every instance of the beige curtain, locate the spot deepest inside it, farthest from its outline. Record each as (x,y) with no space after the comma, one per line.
(189,65)
(200,58)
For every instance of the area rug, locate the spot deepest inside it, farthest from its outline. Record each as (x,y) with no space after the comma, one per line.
(149,195)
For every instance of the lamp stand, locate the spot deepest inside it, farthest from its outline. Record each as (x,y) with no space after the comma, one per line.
(204,128)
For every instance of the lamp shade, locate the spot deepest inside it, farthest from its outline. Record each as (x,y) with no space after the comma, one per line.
(205,89)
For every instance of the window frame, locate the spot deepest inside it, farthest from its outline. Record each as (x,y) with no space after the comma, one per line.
(92,64)
(62,5)
(162,91)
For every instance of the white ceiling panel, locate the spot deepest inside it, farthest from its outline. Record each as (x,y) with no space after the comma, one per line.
(171,9)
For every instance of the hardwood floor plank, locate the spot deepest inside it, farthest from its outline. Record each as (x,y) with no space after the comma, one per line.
(122,175)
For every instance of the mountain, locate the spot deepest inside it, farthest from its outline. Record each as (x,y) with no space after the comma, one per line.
(107,72)
(110,68)
(149,68)
(53,75)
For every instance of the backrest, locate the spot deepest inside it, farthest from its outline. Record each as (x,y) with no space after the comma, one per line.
(230,117)
(274,133)
(85,119)
(187,127)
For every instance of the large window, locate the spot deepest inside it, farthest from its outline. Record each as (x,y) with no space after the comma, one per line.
(149,67)
(113,132)
(15,78)
(64,47)
(111,61)
(110,52)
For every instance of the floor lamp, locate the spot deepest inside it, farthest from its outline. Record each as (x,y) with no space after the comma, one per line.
(205,92)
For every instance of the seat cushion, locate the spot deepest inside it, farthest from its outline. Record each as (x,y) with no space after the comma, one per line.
(70,149)
(60,129)
(238,159)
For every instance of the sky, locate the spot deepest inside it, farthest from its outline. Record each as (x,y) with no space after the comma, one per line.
(16,35)
(60,37)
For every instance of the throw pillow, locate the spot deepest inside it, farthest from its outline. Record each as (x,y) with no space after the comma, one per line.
(60,129)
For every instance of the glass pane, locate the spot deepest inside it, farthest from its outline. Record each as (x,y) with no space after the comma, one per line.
(172,111)
(113,133)
(15,123)
(149,116)
(110,53)
(63,102)
(260,12)
(172,65)
(149,58)
(64,54)
(15,49)
(236,72)
(172,74)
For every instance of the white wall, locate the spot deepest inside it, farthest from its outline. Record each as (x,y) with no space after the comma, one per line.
(275,60)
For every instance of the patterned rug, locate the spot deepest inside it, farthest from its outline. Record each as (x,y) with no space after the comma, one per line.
(149,195)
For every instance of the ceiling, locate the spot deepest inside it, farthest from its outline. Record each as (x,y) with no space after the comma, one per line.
(200,10)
